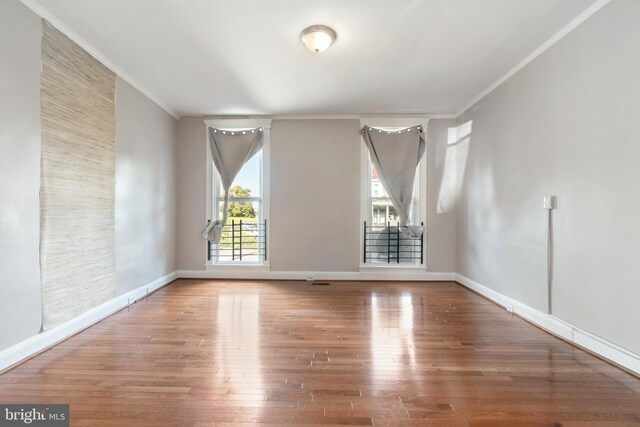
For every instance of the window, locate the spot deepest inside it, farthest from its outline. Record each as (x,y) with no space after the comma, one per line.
(382,240)
(382,211)
(244,238)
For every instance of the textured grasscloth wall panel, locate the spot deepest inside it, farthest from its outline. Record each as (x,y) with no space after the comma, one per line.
(78,180)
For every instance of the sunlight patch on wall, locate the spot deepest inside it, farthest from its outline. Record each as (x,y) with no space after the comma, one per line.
(455,164)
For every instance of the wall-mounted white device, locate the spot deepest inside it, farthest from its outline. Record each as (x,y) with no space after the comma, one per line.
(549,202)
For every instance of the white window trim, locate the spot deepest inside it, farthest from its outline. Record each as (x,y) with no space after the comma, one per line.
(365,185)
(212,181)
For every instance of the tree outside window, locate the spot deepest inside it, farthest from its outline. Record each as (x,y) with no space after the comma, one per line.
(241,210)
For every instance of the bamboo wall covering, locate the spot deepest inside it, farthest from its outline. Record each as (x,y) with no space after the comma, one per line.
(78,180)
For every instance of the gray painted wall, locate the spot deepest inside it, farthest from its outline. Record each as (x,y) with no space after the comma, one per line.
(315,195)
(146,172)
(20,299)
(313,163)
(440,249)
(567,124)
(192,216)
(146,168)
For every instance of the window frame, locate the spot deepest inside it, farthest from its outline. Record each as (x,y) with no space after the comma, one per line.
(213,181)
(420,214)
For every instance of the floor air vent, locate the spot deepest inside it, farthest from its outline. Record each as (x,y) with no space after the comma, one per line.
(320,283)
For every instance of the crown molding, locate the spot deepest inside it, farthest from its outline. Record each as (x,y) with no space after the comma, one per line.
(45,14)
(575,23)
(238,123)
(330,116)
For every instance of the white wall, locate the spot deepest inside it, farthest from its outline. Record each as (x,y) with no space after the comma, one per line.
(315,196)
(146,172)
(20,301)
(567,124)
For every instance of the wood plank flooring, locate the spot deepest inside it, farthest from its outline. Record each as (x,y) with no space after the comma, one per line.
(271,354)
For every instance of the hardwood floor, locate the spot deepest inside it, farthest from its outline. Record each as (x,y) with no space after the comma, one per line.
(271,354)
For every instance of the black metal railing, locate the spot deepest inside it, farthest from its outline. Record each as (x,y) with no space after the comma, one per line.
(241,241)
(392,244)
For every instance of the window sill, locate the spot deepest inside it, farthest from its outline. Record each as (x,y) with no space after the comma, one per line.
(392,266)
(237,266)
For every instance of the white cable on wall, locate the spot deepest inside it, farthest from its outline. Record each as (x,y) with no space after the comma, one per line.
(549,204)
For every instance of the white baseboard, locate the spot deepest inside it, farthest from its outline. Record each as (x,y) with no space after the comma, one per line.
(558,327)
(260,273)
(31,346)
(37,343)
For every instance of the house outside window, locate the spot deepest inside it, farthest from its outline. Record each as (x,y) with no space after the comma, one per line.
(382,210)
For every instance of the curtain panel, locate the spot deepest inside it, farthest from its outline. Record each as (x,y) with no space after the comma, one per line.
(230,151)
(396,155)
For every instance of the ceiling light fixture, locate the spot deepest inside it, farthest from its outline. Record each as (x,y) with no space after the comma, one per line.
(318,38)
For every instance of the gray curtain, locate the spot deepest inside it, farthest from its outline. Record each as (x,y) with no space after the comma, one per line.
(230,151)
(395,155)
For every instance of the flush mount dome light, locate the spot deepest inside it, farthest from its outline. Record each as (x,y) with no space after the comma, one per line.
(318,38)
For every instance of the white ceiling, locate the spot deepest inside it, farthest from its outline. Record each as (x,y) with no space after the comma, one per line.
(241,57)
